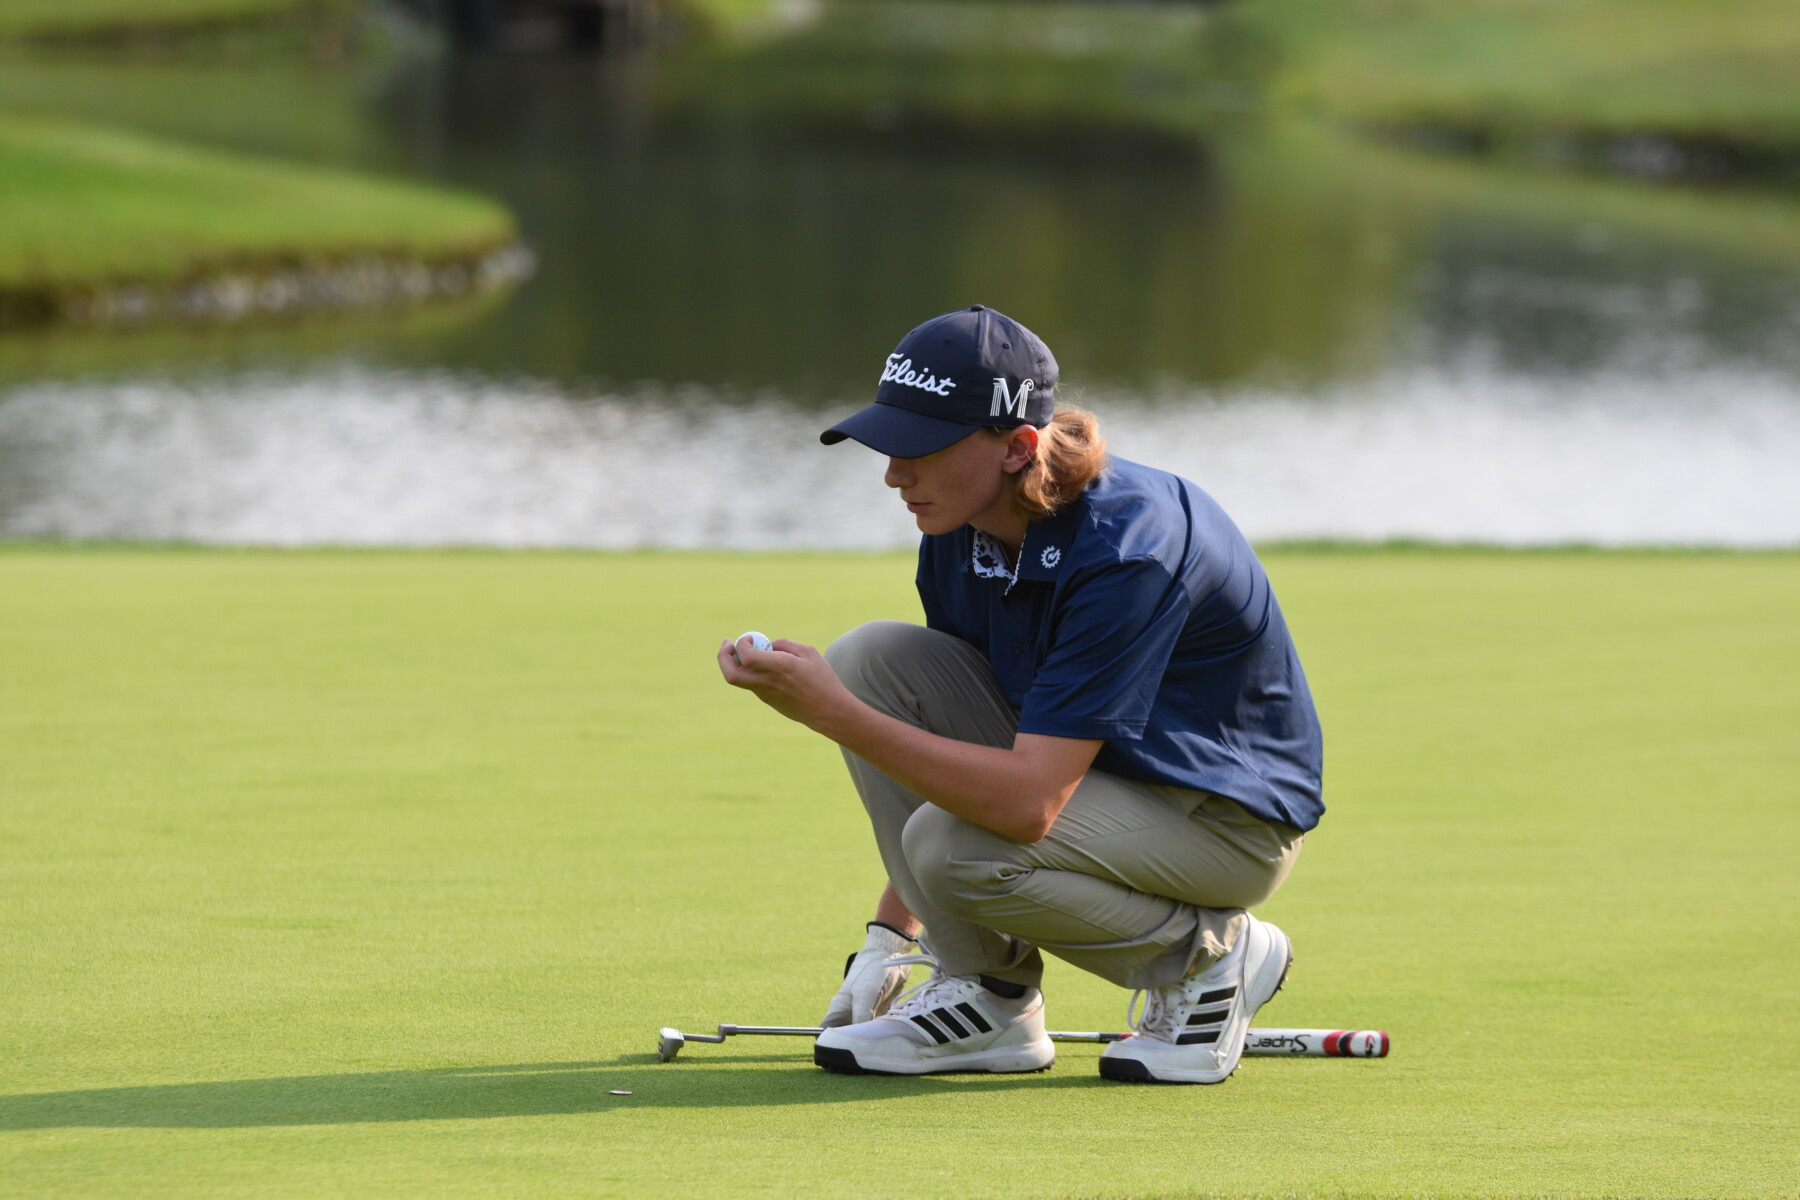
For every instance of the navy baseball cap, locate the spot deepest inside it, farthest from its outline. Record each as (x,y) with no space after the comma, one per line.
(951,376)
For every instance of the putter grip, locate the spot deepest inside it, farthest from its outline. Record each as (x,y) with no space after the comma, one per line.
(1317,1043)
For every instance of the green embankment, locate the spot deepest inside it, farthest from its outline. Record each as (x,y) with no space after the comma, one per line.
(341,873)
(1037,66)
(88,207)
(64,18)
(728,17)
(84,204)
(1571,81)
(1719,71)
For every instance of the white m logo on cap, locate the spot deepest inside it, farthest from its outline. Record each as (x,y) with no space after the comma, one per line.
(1004,401)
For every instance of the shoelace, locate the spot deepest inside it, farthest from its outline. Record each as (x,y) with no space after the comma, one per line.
(928,993)
(1158,1020)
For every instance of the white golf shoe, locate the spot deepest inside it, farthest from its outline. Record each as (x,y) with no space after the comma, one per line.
(949,1023)
(1193,1031)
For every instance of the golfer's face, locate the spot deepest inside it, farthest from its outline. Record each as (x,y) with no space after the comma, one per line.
(954,487)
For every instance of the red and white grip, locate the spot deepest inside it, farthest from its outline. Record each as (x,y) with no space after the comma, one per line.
(1317,1043)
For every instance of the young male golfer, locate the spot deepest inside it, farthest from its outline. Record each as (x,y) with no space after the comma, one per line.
(1100,744)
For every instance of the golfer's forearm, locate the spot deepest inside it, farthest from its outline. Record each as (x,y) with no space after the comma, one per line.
(996,789)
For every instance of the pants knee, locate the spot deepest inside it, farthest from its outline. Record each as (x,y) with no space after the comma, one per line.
(858,655)
(960,866)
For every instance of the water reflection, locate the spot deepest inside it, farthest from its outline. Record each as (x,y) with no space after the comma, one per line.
(1339,340)
(365,457)
(1550,302)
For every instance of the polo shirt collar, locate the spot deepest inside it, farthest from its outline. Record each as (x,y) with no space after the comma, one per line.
(1041,554)
(988,559)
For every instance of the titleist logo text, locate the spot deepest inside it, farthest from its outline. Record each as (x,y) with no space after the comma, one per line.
(902,373)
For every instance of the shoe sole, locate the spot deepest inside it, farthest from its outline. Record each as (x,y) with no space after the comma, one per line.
(843,1062)
(1130,1070)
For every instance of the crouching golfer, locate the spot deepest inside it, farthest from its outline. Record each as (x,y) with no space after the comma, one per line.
(1100,744)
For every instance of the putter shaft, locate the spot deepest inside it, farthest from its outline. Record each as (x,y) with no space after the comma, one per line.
(726,1031)
(1270,1043)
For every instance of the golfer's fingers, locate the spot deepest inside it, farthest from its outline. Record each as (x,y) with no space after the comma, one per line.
(747,667)
(729,666)
(759,663)
(798,649)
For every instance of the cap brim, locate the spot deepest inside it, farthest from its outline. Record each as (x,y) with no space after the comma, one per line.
(896,432)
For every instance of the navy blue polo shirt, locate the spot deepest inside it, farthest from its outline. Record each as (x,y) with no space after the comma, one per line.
(1140,616)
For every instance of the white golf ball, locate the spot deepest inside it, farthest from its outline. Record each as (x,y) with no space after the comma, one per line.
(757,642)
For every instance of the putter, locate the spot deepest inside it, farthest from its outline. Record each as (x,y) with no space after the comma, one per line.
(1264,1043)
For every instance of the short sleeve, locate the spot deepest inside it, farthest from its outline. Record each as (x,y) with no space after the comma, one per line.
(1111,638)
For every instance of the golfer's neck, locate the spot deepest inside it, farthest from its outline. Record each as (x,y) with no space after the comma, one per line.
(1007,528)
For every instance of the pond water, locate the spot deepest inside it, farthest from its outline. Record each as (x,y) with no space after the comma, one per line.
(1337,339)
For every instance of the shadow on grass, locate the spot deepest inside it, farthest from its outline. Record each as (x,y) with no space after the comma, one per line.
(466,1093)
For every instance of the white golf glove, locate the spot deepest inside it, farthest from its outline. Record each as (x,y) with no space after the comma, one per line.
(871,978)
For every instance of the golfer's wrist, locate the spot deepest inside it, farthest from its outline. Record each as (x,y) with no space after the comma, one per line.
(844,722)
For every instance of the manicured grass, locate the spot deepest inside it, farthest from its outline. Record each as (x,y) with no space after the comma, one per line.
(371,873)
(729,16)
(280,106)
(1692,68)
(35,17)
(1543,72)
(85,202)
(1038,66)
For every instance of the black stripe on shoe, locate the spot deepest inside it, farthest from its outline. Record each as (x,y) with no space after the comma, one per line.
(1217,995)
(1200,1037)
(975,1017)
(948,1020)
(937,1034)
(1209,1018)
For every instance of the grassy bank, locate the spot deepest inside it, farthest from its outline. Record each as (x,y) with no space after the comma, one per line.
(1528,73)
(1040,65)
(106,226)
(86,206)
(91,18)
(127,19)
(1675,87)
(726,18)
(373,873)
(1170,80)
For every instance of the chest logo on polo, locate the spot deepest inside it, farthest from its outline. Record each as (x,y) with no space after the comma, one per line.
(1051,555)
(1006,402)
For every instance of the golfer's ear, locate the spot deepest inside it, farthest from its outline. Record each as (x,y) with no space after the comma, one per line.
(1021,449)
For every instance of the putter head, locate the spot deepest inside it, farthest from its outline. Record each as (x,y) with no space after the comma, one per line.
(669,1044)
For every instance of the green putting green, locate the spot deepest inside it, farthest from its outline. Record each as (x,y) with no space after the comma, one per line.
(376,874)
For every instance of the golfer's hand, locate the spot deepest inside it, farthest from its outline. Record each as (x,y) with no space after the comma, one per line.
(792,678)
(871,979)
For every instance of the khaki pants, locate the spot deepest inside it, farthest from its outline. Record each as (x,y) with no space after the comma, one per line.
(1137,882)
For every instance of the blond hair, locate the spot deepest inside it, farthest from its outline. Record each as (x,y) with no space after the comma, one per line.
(1071,453)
